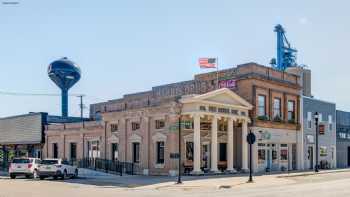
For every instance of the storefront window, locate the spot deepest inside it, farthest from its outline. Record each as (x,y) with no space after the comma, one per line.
(284,154)
(261,153)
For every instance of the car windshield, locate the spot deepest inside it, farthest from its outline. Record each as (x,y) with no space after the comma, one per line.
(49,162)
(20,161)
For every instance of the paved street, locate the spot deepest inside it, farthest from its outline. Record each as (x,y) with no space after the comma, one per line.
(332,183)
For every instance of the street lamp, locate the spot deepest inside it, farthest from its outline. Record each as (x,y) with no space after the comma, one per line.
(316,116)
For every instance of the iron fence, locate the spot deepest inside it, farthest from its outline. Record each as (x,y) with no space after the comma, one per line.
(109,166)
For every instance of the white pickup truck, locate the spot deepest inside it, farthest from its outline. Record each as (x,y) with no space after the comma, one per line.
(56,168)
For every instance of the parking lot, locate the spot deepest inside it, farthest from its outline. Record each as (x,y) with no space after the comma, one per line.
(332,183)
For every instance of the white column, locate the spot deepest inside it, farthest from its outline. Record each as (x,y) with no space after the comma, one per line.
(214,144)
(230,145)
(244,146)
(197,145)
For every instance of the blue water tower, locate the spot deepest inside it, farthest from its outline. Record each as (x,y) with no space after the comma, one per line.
(64,73)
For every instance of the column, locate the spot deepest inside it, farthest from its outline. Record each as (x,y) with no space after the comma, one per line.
(197,145)
(214,145)
(244,146)
(230,145)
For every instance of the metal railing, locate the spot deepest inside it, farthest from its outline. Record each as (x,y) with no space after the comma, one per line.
(109,166)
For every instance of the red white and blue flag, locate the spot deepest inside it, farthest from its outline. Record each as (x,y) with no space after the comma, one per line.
(207,62)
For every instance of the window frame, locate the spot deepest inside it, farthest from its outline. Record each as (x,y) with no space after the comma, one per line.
(159,124)
(114,127)
(135,126)
(260,107)
(279,108)
(160,148)
(291,116)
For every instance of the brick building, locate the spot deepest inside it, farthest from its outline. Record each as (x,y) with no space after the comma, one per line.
(141,127)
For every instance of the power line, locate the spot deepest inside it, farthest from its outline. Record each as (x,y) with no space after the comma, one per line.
(33,94)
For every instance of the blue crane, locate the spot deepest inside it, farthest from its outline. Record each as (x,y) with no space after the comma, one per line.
(286,55)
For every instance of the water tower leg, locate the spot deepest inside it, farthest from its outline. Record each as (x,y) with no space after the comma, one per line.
(64,103)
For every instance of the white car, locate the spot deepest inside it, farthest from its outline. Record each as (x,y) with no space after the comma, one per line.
(56,168)
(24,166)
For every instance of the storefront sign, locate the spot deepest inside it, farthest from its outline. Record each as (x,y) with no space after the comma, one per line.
(264,135)
(321,129)
(344,136)
(230,83)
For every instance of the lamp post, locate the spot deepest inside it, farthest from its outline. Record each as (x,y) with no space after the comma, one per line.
(316,116)
(179,173)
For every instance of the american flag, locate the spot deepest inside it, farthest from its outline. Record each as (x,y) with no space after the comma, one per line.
(207,62)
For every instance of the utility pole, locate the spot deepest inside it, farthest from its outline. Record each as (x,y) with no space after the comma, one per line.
(81,109)
(316,124)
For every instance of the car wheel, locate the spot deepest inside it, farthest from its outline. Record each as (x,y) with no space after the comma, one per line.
(64,176)
(12,176)
(55,177)
(76,173)
(41,177)
(28,176)
(35,174)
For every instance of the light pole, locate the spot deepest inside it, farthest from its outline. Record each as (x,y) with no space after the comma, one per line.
(316,116)
(179,173)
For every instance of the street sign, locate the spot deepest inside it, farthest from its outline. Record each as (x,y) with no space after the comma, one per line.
(174,155)
(251,138)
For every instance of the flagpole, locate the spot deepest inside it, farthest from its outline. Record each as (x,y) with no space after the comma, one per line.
(217,73)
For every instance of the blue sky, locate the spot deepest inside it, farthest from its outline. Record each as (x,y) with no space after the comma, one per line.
(129,46)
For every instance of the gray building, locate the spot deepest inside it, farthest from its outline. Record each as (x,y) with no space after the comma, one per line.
(23,135)
(327,134)
(343,139)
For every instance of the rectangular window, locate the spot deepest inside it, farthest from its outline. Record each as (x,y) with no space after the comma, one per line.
(202,108)
(160,124)
(160,152)
(136,152)
(330,123)
(135,126)
(114,151)
(114,128)
(73,151)
(212,109)
(284,155)
(309,120)
(261,156)
(189,151)
(94,149)
(55,150)
(224,110)
(291,111)
(261,105)
(188,124)
(277,109)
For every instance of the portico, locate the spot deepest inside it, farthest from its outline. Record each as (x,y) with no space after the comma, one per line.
(219,119)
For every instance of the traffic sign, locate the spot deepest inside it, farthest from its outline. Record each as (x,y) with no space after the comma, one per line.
(251,138)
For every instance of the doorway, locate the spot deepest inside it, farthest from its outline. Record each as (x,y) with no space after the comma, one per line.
(206,156)
(310,157)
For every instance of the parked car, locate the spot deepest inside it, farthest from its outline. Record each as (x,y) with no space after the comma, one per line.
(56,168)
(27,167)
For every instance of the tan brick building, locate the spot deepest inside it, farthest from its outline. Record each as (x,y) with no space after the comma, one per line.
(142,127)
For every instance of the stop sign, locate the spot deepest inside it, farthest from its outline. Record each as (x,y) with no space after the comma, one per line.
(251,138)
